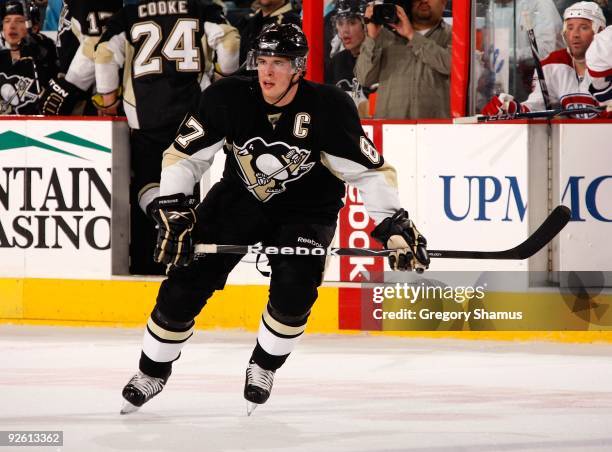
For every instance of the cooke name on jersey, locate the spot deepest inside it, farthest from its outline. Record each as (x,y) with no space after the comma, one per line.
(162,8)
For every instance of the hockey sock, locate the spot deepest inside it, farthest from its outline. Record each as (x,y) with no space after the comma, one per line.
(276,340)
(162,344)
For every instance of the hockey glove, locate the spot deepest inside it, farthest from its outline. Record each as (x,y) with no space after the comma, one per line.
(175,217)
(399,233)
(502,105)
(60,97)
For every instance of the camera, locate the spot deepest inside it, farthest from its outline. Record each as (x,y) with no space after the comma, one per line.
(384,13)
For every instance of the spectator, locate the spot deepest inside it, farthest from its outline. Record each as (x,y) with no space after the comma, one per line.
(547,24)
(350,28)
(25,64)
(269,12)
(564,69)
(410,60)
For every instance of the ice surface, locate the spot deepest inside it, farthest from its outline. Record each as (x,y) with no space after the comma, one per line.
(336,393)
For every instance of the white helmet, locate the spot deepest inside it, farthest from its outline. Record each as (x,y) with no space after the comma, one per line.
(585,10)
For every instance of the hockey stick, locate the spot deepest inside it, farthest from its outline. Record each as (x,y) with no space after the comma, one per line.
(542,114)
(536,58)
(553,224)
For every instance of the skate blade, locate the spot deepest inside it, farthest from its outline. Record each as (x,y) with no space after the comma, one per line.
(128,408)
(251,407)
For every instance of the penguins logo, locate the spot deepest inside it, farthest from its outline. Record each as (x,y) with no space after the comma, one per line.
(15,93)
(266,168)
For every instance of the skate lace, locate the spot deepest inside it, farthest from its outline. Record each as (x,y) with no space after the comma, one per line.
(149,386)
(262,378)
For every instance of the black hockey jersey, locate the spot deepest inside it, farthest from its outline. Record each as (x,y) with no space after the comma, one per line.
(292,159)
(340,72)
(80,27)
(163,47)
(21,81)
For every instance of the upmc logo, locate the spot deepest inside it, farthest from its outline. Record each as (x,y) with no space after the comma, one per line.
(579,192)
(479,193)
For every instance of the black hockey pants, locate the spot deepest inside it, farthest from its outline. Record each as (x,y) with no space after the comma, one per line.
(232,216)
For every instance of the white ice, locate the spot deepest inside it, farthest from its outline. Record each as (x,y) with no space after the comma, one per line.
(335,393)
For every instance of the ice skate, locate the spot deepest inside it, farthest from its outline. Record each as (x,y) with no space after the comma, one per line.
(257,386)
(140,389)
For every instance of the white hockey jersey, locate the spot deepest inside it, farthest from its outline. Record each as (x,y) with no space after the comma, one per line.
(599,64)
(564,86)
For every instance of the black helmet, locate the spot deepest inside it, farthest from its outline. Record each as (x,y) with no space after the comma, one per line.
(285,40)
(350,8)
(13,7)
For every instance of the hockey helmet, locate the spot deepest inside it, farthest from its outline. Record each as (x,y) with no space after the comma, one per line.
(585,10)
(284,40)
(13,7)
(350,8)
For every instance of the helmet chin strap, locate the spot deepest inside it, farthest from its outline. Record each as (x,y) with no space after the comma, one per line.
(291,84)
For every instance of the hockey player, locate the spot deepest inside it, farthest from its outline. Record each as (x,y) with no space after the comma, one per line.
(599,63)
(26,64)
(82,24)
(564,69)
(350,28)
(166,51)
(290,144)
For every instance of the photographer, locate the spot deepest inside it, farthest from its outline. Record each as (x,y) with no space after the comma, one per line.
(26,63)
(410,57)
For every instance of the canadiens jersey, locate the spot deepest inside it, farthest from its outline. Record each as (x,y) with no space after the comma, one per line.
(599,64)
(293,160)
(565,88)
(81,25)
(164,48)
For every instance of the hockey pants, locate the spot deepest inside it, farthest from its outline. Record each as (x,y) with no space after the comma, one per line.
(231,216)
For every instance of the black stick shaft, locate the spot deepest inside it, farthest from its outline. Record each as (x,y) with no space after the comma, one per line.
(553,224)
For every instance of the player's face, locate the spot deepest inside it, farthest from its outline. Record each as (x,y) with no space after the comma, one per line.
(275,74)
(578,35)
(14,29)
(351,32)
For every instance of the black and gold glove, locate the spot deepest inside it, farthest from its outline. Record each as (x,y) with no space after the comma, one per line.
(399,233)
(60,97)
(175,217)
